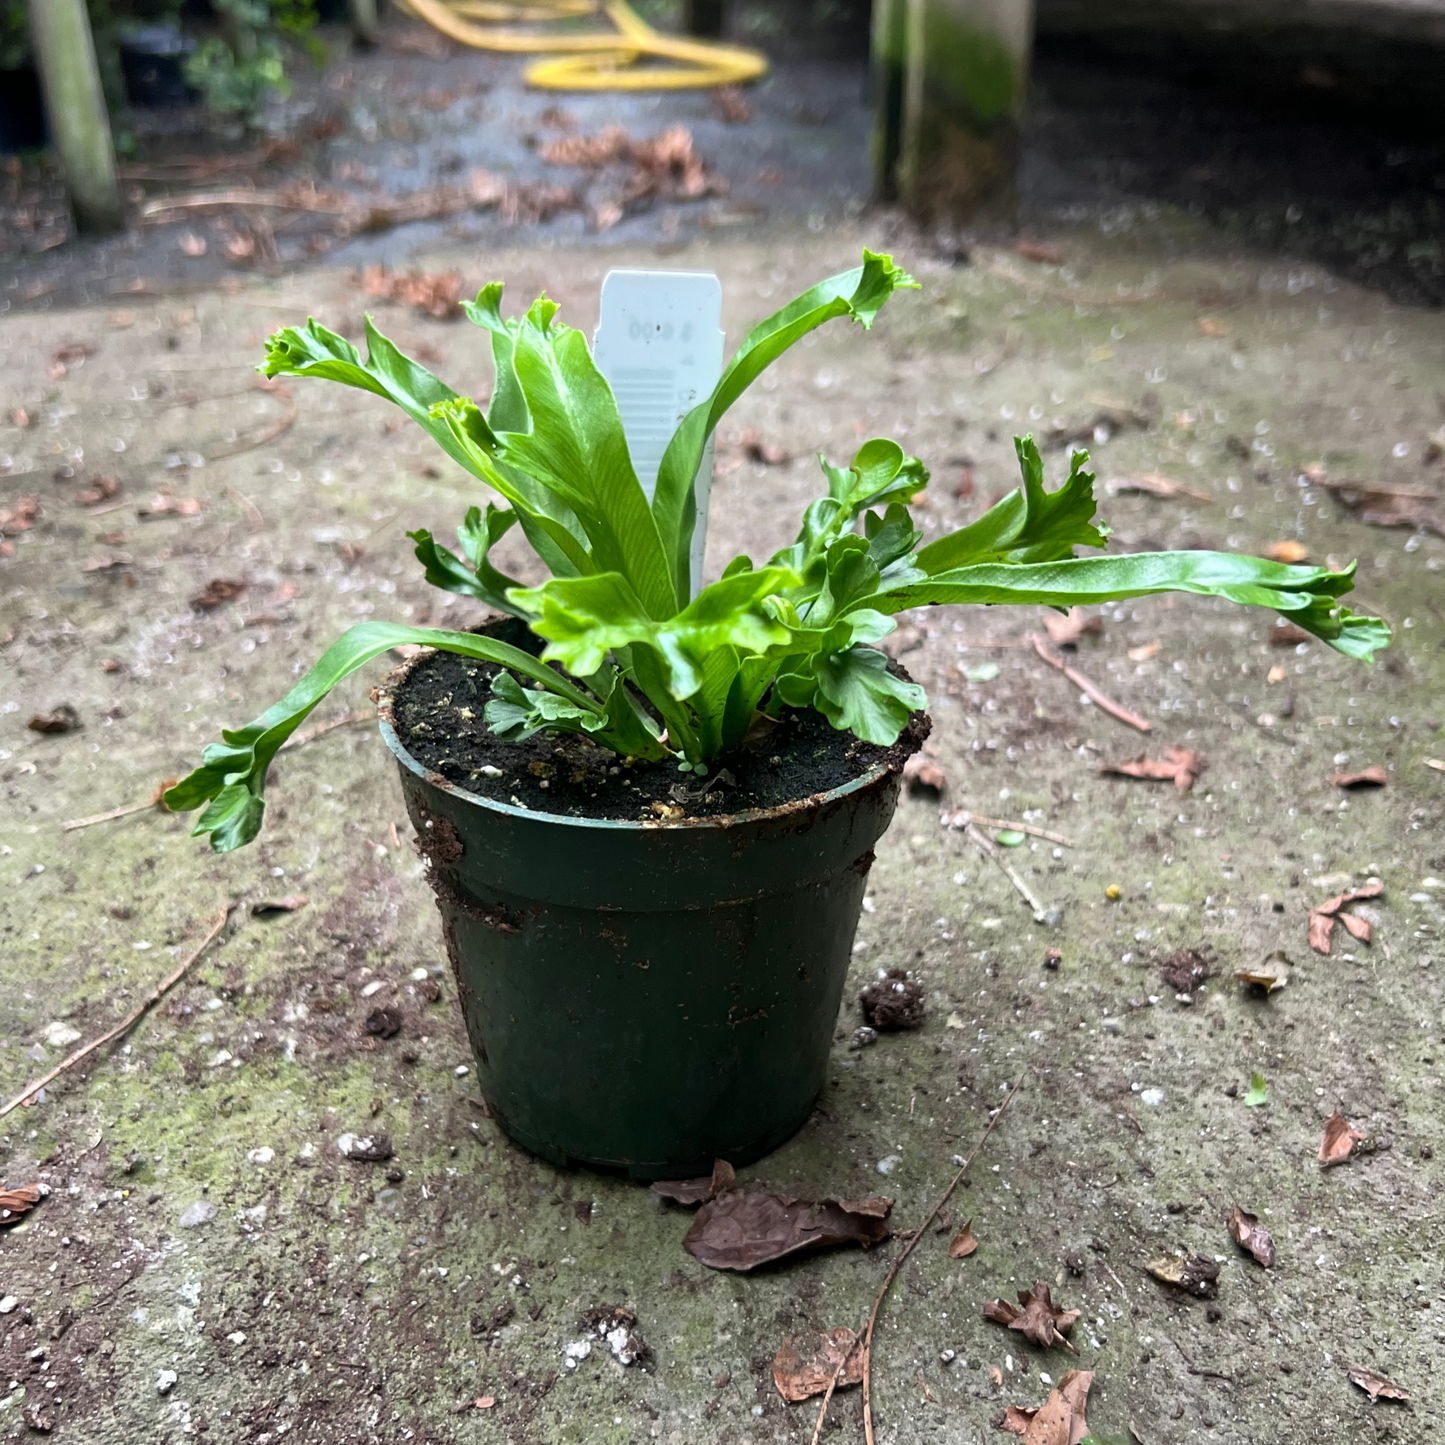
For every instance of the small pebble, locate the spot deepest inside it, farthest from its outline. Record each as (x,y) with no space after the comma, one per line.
(166,1382)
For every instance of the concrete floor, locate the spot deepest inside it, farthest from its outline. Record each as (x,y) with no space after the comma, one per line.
(320,1299)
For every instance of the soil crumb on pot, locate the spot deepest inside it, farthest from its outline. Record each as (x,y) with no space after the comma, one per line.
(438,710)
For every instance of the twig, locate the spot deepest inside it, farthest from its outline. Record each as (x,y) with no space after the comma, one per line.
(1027,893)
(319,204)
(236,448)
(254,515)
(832,1385)
(1199,1369)
(127,1023)
(154,801)
(899,1262)
(1084,685)
(962,818)
(309,735)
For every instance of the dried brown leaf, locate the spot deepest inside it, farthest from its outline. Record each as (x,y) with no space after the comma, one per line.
(1341,1140)
(612,143)
(1060,1420)
(433,293)
(19,518)
(740,1231)
(1156,486)
(729,103)
(1286,634)
(1196,1274)
(20,1201)
(1377,1387)
(1038,1320)
(1180,766)
(1287,550)
(289,904)
(923,777)
(1066,630)
(1251,1236)
(1373,777)
(60,719)
(1040,251)
(216,593)
(806,1364)
(698,1191)
(1144,651)
(101,489)
(1268,975)
(963,1243)
(1324,916)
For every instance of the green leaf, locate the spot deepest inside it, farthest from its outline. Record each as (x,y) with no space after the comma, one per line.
(508,411)
(891,536)
(232,777)
(857,693)
(1010,838)
(476,577)
(1258,1092)
(515,713)
(585,618)
(1305,595)
(313,350)
(857,294)
(1030,525)
(577,448)
(981,672)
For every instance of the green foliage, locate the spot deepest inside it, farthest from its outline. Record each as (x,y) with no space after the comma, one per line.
(1257,1093)
(236,69)
(640,659)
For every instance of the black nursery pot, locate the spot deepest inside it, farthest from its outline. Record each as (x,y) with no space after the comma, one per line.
(650,996)
(152,60)
(22,112)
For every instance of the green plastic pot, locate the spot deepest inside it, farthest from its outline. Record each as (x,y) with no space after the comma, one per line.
(649,996)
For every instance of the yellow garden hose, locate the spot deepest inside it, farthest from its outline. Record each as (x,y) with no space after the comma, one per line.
(595,60)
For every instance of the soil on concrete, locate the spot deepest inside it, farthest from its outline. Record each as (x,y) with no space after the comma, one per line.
(439,708)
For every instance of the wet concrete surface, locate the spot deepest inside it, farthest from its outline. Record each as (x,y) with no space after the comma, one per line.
(203,1219)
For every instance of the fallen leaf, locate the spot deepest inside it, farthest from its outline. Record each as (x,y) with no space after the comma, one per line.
(1196,1274)
(433,293)
(1039,1320)
(612,143)
(1010,838)
(963,1243)
(1156,486)
(1341,1140)
(191,243)
(1185,969)
(1437,763)
(161,506)
(1269,975)
(73,353)
(1144,652)
(923,777)
(806,1364)
(289,904)
(1287,550)
(757,450)
(101,489)
(1373,777)
(19,518)
(1257,1095)
(1066,630)
(1210,327)
(1038,251)
(1060,1420)
(19,1201)
(485,1402)
(995,1374)
(698,1191)
(1180,766)
(740,1231)
(60,719)
(216,593)
(384,1023)
(729,103)
(1286,634)
(1377,1387)
(1324,916)
(1251,1236)
(893,1003)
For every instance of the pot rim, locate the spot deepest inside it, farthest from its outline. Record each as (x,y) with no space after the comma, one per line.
(385,694)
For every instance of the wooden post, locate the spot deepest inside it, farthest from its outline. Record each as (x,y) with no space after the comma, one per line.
(703,17)
(363,21)
(964,74)
(889,54)
(75,106)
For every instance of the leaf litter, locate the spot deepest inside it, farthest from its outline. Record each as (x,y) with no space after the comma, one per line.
(738,1230)
(963,1243)
(1251,1236)
(1060,1419)
(1194,1274)
(1341,1141)
(807,1364)
(1180,766)
(1037,1318)
(1270,974)
(1324,916)
(1377,1387)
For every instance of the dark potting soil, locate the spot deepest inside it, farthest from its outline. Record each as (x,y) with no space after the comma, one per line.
(438,707)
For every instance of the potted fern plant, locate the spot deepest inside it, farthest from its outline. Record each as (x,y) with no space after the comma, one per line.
(648,806)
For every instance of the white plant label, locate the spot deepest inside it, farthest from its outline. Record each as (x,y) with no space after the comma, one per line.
(659,343)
